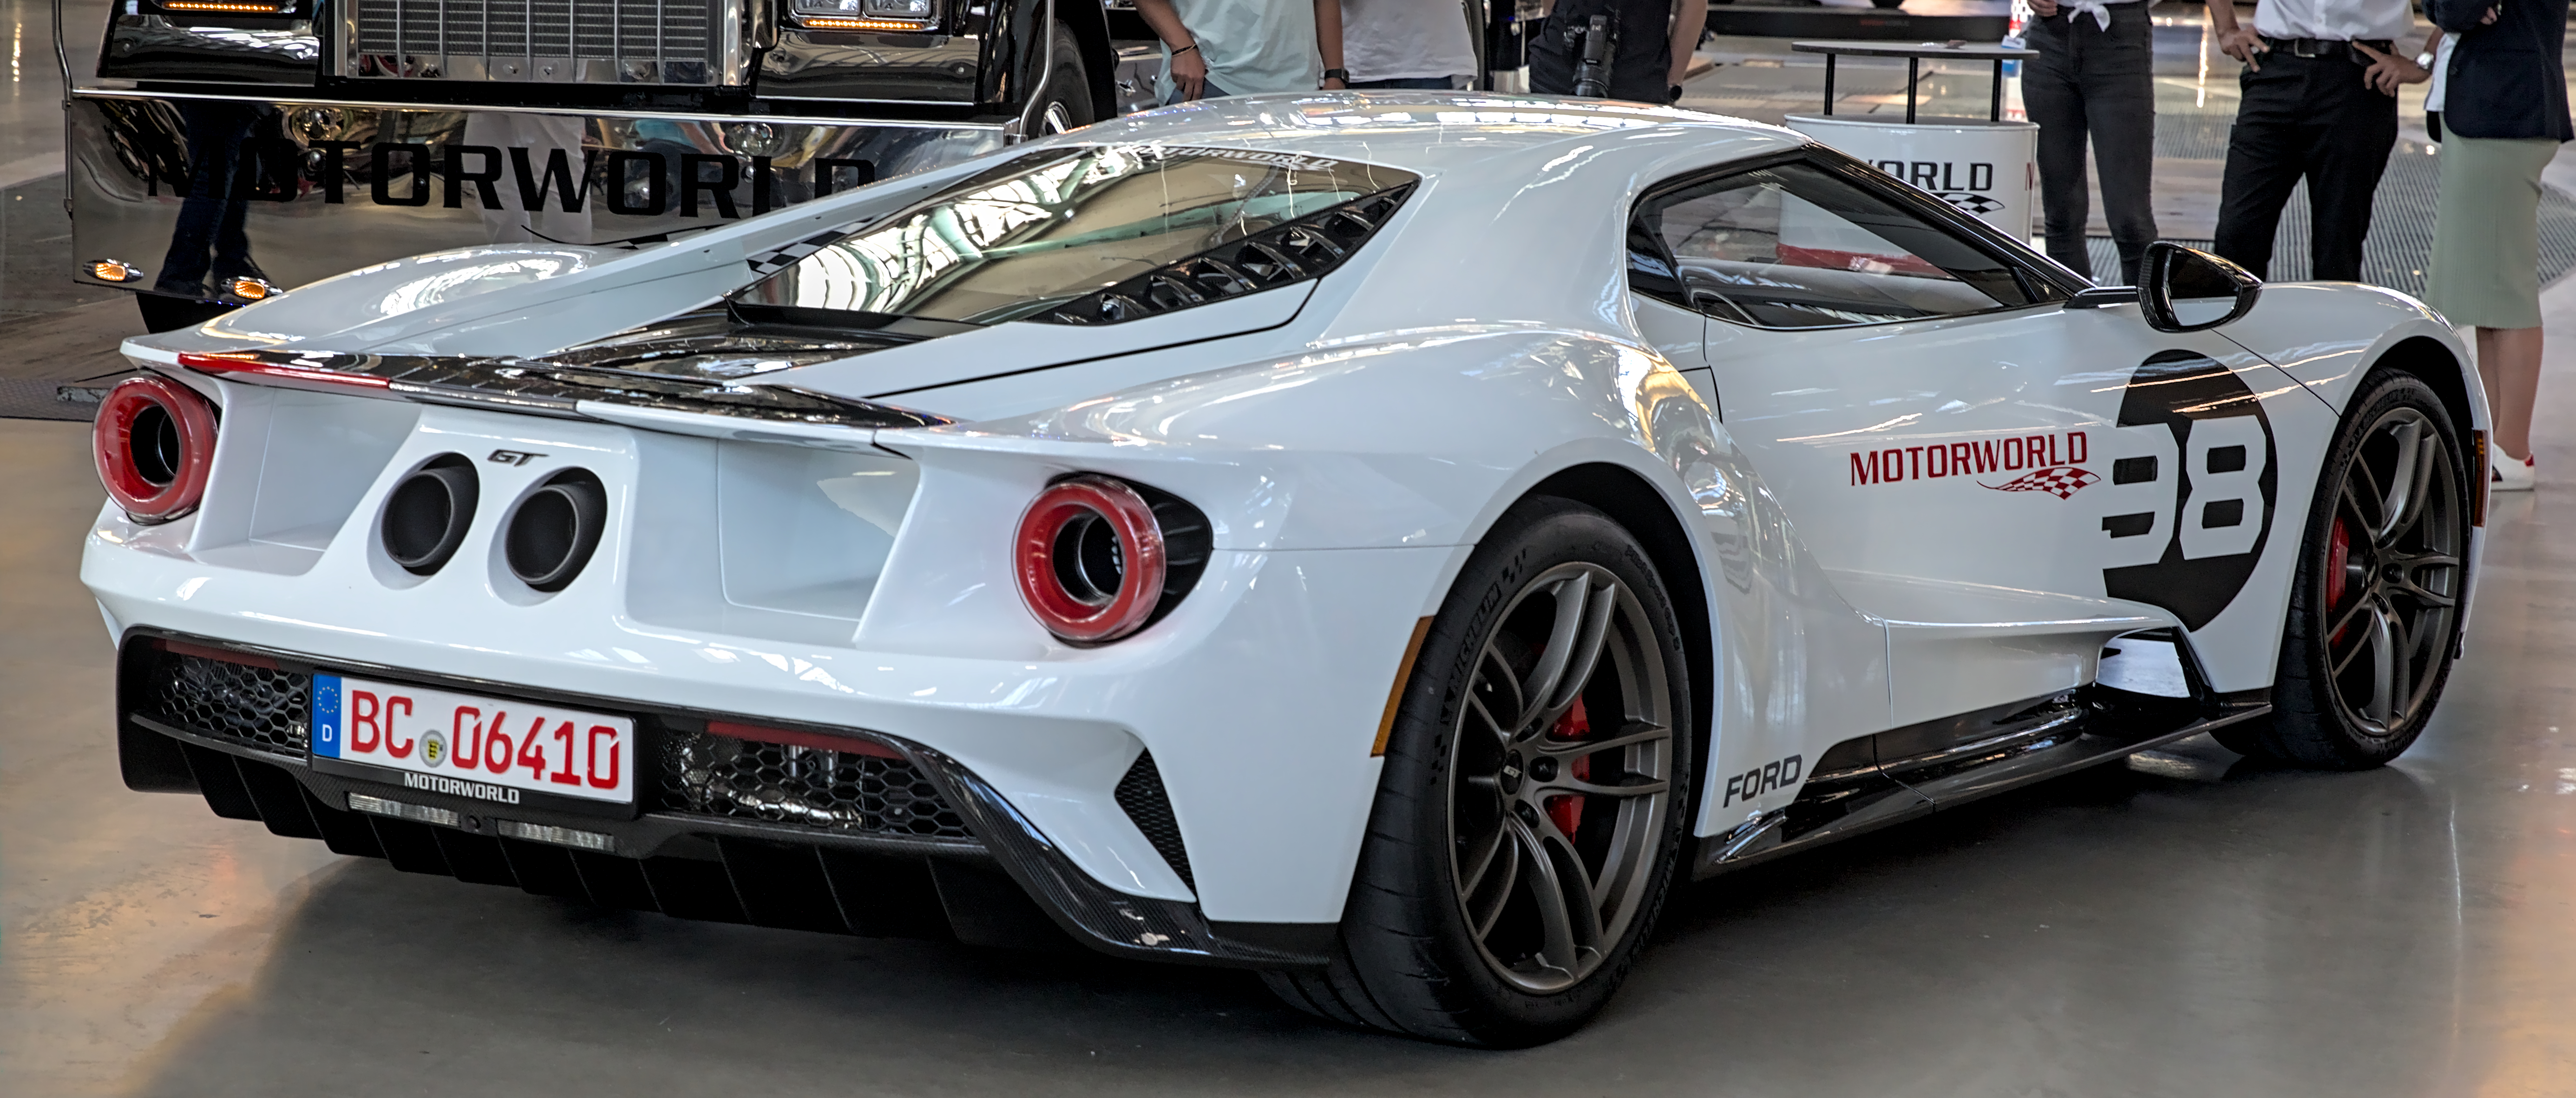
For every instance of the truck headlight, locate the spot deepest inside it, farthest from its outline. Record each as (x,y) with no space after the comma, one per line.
(885,15)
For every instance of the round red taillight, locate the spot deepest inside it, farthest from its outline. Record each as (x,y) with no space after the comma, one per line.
(1091,559)
(155,442)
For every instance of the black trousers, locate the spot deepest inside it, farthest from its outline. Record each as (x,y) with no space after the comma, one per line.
(2305,118)
(2091,83)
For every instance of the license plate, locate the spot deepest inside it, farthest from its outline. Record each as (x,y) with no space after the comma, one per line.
(472,746)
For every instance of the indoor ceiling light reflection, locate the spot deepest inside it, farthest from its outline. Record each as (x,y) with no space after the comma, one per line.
(481,277)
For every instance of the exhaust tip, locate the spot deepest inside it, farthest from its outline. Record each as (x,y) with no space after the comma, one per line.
(554,529)
(427,514)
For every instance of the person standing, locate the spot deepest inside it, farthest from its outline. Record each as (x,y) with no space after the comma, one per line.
(2094,78)
(2504,114)
(1655,40)
(1386,44)
(1214,48)
(2316,106)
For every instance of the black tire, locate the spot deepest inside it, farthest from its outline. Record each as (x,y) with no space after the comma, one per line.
(1454,790)
(169,314)
(1885,4)
(2355,716)
(1065,102)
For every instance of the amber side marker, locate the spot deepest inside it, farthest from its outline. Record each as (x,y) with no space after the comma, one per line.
(2478,482)
(829,22)
(1395,694)
(114,270)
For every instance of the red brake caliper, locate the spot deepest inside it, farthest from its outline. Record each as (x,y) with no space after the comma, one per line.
(2338,556)
(1567,811)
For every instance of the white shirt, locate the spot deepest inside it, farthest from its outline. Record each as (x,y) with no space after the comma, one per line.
(2337,20)
(2441,68)
(1406,39)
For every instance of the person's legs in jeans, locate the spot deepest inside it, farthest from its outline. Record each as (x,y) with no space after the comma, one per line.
(2356,129)
(2051,92)
(2266,154)
(2120,110)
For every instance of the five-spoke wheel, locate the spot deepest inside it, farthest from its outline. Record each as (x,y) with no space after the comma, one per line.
(1555,805)
(2375,613)
(1531,808)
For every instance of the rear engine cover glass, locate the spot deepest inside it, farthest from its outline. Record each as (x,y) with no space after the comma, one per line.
(1048,228)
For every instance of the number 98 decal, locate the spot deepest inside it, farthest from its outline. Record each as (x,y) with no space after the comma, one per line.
(2193,486)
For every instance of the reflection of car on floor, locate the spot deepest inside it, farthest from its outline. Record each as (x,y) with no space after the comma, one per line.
(1233,535)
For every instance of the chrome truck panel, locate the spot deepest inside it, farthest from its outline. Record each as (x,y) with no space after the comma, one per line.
(852,67)
(201,189)
(239,49)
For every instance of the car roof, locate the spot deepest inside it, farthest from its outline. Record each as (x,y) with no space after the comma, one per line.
(1432,132)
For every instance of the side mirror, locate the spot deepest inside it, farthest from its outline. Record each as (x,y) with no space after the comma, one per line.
(2185,290)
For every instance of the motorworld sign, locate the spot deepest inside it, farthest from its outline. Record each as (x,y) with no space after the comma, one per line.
(191,188)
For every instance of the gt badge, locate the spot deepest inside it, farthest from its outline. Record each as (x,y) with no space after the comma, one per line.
(512,457)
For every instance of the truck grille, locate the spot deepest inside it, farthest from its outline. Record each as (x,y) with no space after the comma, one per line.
(594,41)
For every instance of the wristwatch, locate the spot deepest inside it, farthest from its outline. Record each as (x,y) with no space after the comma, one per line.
(1343,75)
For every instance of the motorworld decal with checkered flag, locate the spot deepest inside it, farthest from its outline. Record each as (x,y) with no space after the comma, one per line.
(2190,460)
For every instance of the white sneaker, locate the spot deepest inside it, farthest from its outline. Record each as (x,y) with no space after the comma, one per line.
(2513,476)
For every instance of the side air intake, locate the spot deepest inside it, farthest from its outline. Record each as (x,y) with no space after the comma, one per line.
(1141,795)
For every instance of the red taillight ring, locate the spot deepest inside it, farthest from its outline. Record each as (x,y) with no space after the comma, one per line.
(1061,587)
(160,475)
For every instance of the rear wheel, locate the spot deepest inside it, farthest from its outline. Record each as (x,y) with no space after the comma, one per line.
(1533,798)
(2375,611)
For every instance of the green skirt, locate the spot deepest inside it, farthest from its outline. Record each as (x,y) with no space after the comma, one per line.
(2486,231)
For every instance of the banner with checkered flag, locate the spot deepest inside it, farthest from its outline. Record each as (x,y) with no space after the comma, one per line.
(2061,481)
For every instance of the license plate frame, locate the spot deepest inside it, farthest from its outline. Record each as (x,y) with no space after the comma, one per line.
(417,737)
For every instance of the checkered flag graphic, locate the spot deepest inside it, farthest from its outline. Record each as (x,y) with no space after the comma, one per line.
(2061,481)
(777,258)
(1972,202)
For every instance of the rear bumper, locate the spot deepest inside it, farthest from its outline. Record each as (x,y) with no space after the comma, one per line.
(195,189)
(960,862)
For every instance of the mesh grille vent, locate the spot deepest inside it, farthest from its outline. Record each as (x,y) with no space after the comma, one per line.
(258,706)
(840,791)
(1140,794)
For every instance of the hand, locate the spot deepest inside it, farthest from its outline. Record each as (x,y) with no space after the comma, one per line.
(1189,75)
(2241,43)
(2045,9)
(2387,71)
(2491,14)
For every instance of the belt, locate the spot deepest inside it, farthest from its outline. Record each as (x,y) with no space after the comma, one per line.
(2323,47)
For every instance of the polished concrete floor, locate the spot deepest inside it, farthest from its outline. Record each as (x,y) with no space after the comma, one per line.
(2185,925)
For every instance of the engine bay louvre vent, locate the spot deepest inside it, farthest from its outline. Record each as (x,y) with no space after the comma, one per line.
(1294,251)
(1140,795)
(601,41)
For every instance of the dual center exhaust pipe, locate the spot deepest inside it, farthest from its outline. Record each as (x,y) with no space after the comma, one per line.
(546,539)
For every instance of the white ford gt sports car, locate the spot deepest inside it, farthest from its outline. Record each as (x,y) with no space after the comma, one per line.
(1379,540)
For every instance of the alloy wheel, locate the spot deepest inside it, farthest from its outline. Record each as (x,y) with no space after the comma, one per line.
(1561,773)
(2392,573)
